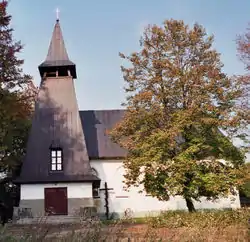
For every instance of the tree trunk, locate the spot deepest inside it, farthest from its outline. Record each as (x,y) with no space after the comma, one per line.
(190,205)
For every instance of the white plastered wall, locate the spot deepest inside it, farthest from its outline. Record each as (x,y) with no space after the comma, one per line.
(112,172)
(74,190)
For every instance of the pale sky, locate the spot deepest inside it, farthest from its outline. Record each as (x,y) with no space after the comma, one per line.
(96,31)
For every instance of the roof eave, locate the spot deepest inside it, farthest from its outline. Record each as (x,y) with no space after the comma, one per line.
(89,178)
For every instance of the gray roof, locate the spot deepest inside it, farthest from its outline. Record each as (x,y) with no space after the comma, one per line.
(95,126)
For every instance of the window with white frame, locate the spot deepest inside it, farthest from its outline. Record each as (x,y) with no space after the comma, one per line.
(56,159)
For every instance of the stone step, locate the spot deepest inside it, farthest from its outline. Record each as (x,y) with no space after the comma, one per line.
(50,220)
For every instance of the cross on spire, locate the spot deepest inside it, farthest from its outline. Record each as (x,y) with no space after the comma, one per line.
(57,14)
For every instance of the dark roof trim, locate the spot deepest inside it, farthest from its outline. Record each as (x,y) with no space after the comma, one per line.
(45,182)
(69,179)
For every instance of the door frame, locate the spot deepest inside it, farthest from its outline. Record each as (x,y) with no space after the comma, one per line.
(55,188)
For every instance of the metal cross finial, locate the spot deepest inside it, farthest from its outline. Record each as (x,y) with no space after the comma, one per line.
(57,14)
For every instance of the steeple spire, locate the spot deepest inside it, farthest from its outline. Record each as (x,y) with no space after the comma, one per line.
(57,58)
(57,51)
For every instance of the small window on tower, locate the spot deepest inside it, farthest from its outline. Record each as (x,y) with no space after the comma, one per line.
(56,159)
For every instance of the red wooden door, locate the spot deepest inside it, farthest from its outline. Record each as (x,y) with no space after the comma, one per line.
(56,201)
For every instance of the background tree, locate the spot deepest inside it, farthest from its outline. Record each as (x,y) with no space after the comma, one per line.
(17,94)
(178,104)
(243,44)
(245,188)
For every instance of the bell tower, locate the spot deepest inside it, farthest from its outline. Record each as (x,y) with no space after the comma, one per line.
(56,149)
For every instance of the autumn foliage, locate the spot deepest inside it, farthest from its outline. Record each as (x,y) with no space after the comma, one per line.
(179,105)
(17,94)
(243,47)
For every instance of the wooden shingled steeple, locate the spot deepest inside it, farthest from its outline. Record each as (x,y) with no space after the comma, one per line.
(56,148)
(57,58)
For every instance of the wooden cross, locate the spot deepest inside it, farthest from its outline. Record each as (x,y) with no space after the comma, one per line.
(57,14)
(106,189)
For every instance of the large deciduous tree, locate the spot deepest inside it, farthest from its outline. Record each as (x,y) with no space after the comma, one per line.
(179,103)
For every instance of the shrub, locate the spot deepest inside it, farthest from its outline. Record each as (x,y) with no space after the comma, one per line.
(201,219)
